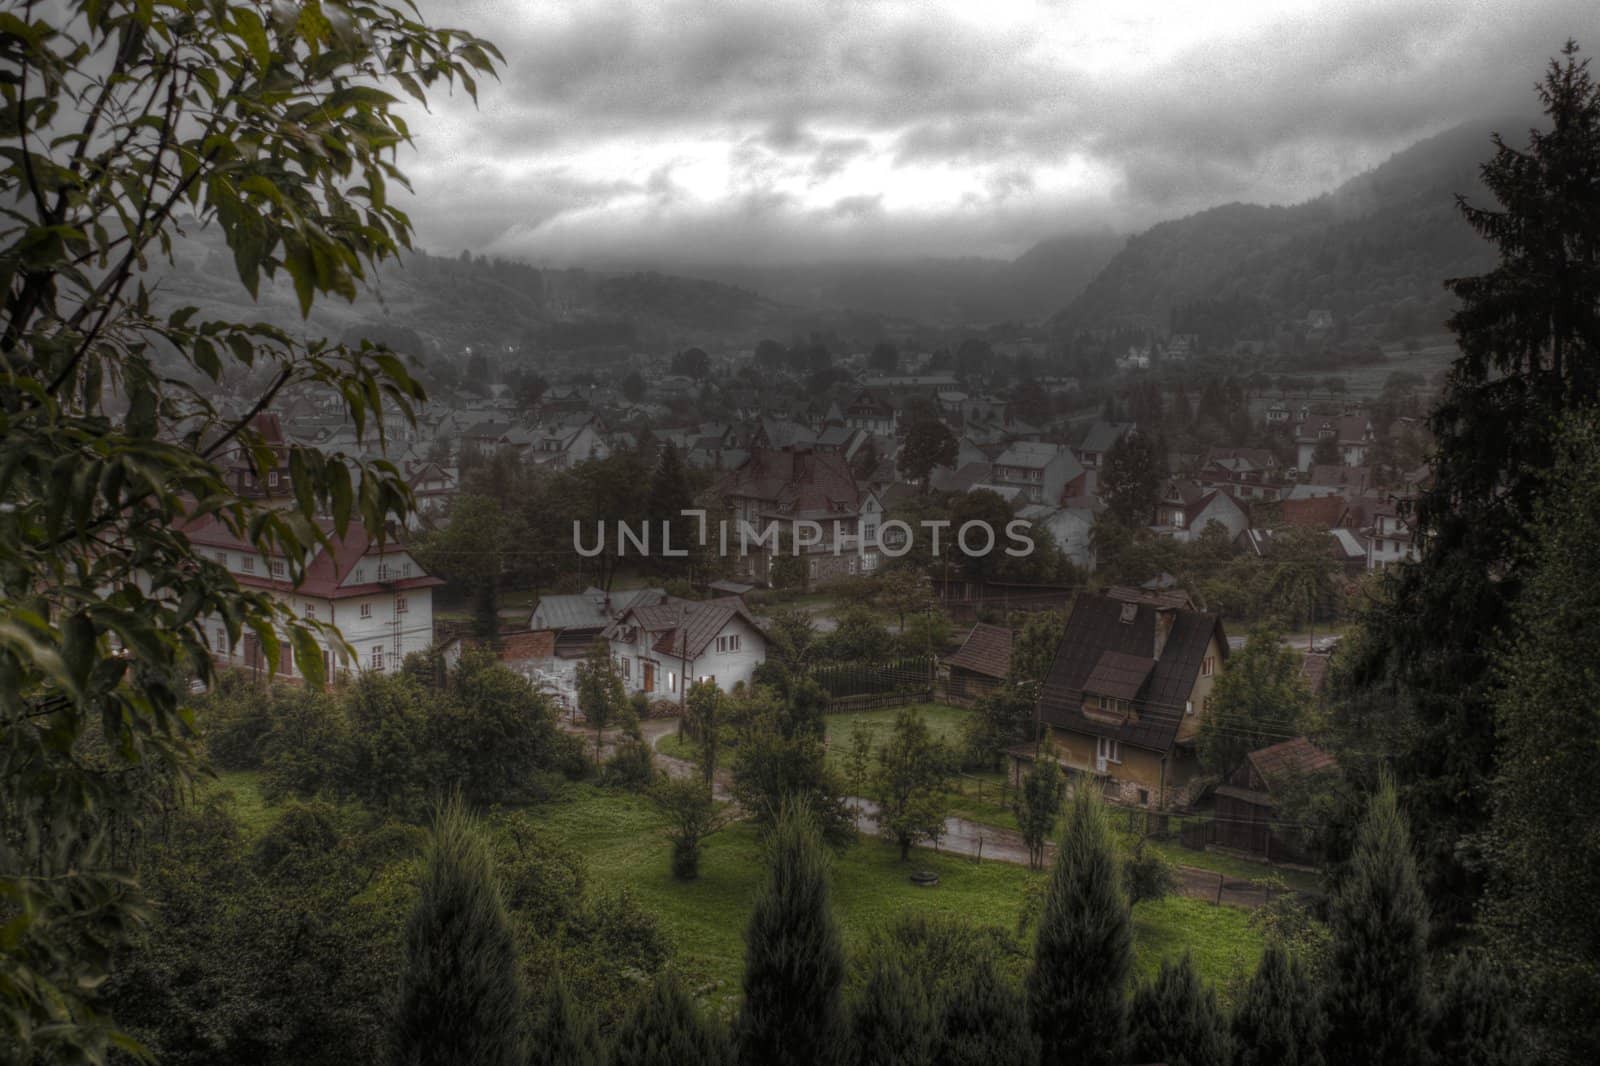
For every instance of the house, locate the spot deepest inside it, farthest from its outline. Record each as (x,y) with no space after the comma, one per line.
(784,489)
(662,648)
(1129,686)
(237,464)
(370,588)
(577,620)
(1099,440)
(1041,471)
(1389,540)
(979,666)
(1068,526)
(1352,435)
(867,412)
(433,486)
(1315,512)
(1247,802)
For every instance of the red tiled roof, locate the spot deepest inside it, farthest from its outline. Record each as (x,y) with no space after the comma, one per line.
(986,651)
(1316,512)
(1280,763)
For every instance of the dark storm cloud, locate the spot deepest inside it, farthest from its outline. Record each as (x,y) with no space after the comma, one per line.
(717,127)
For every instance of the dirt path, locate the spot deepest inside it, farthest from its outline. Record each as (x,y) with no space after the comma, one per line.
(961,837)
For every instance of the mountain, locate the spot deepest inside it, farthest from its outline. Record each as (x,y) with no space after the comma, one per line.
(1374,252)
(932,290)
(445,304)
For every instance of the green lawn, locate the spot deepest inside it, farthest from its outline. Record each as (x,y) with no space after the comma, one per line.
(621,838)
(944,722)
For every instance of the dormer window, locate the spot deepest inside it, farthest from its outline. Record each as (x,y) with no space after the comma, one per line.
(1130,611)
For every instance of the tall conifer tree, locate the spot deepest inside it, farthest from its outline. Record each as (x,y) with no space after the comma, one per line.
(563,1033)
(666,1029)
(983,1020)
(1175,1020)
(461,1000)
(891,1023)
(1076,990)
(794,961)
(1278,1022)
(1474,1023)
(1376,997)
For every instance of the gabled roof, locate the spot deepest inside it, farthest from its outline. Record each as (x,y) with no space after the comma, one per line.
(1102,435)
(795,482)
(1094,628)
(1318,512)
(325,575)
(986,651)
(686,627)
(1118,674)
(587,609)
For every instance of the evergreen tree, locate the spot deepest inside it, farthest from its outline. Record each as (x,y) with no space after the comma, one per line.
(891,1023)
(1131,482)
(666,1029)
(1376,998)
(1529,338)
(983,1020)
(794,960)
(1278,1022)
(929,443)
(461,1000)
(1545,871)
(1474,1022)
(1076,990)
(1175,1020)
(562,1032)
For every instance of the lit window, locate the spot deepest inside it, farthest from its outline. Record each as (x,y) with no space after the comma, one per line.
(1188,707)
(366,610)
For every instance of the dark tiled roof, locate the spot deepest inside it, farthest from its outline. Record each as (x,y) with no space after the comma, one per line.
(587,609)
(987,651)
(687,627)
(795,482)
(1167,598)
(1118,674)
(1094,628)
(1280,763)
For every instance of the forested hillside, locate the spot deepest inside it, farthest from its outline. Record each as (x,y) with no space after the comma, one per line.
(1374,253)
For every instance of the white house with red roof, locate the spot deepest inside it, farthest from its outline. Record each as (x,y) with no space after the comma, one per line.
(377,595)
(659,647)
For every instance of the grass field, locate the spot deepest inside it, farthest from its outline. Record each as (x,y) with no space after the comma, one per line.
(621,837)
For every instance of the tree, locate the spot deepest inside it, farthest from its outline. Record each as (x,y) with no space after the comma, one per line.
(858,757)
(794,959)
(1034,649)
(666,1029)
(891,1021)
(1131,482)
(1474,1022)
(562,1033)
(1147,874)
(702,719)
(791,632)
(1175,1020)
(601,695)
(885,358)
(1278,1021)
(909,785)
(1540,867)
(1039,803)
(982,1019)
(461,999)
(669,497)
(1376,996)
(929,443)
(1530,353)
(470,550)
(1003,717)
(1260,700)
(633,386)
(1301,566)
(692,816)
(1327,453)
(1084,946)
(692,363)
(119,118)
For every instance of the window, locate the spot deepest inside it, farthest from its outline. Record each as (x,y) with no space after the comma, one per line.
(869,561)
(400,605)
(366,610)
(1107,750)
(377,657)
(272,479)
(627,667)
(852,566)
(728,643)
(361,574)
(248,564)
(672,681)
(405,568)
(222,642)
(277,567)
(311,610)
(222,557)
(1188,707)
(1130,611)
(1208,666)
(1144,797)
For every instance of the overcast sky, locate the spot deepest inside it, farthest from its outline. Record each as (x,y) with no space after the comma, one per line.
(774,130)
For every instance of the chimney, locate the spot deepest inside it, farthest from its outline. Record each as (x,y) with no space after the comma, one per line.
(1164,622)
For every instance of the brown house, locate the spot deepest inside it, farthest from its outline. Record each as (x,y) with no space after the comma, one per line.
(1124,698)
(1247,802)
(980,665)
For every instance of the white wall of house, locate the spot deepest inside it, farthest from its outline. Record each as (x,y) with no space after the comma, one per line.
(730,658)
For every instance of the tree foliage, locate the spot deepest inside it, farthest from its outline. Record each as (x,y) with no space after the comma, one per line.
(890,1019)
(666,1029)
(1175,1020)
(1261,699)
(1084,948)
(794,960)
(1130,484)
(929,443)
(909,783)
(1278,1019)
(461,999)
(1039,804)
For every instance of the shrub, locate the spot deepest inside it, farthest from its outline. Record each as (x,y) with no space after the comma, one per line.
(632,766)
